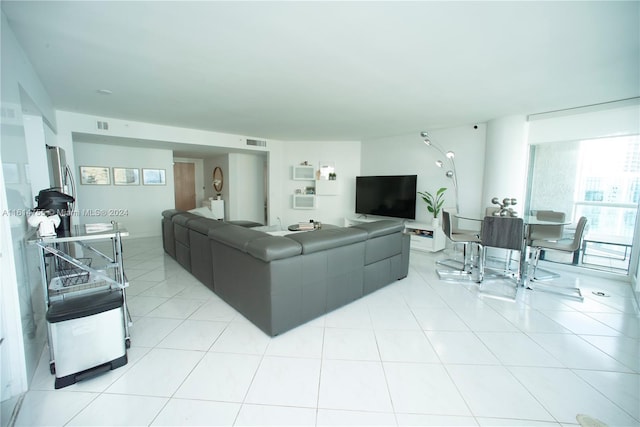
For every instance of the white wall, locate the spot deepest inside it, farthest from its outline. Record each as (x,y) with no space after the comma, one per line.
(407,155)
(34,132)
(245,185)
(72,126)
(141,205)
(19,356)
(330,209)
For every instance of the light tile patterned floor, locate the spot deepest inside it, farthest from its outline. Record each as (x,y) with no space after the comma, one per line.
(418,352)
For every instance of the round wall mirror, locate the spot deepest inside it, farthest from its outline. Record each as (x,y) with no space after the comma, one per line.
(218,179)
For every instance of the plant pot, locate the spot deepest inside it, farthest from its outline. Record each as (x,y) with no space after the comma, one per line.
(435,222)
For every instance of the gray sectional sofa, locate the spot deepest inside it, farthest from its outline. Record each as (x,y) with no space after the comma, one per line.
(280,282)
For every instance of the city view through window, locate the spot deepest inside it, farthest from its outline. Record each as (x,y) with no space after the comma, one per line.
(608,185)
(598,179)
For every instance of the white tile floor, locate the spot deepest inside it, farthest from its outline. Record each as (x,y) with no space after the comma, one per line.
(418,352)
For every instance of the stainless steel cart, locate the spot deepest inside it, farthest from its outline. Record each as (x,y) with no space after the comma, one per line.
(85,296)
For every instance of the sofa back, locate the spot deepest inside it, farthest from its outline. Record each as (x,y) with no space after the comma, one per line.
(384,239)
(200,248)
(386,253)
(281,282)
(181,235)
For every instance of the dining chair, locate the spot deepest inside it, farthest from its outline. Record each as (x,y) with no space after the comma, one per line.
(570,247)
(467,238)
(546,232)
(502,233)
(491,211)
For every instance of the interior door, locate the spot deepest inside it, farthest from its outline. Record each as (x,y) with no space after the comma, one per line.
(184,176)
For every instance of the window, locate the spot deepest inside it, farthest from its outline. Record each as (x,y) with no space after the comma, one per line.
(596,178)
(607,183)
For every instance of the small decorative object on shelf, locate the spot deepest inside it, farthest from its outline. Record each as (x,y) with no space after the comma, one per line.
(505,210)
(332,176)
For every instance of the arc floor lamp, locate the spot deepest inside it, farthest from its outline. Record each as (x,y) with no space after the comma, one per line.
(450,156)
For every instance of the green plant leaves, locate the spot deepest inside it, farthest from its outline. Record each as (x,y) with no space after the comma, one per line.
(434,203)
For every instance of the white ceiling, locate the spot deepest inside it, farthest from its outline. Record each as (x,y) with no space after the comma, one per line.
(329,70)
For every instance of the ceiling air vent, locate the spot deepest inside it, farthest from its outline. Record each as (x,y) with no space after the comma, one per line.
(256,142)
(103,125)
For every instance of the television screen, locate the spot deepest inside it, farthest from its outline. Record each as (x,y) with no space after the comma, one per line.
(391,195)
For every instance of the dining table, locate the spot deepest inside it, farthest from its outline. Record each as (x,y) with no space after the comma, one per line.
(524,252)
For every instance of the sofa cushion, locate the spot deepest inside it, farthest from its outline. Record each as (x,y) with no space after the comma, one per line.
(271,248)
(203,212)
(320,240)
(203,225)
(380,228)
(183,218)
(235,236)
(180,228)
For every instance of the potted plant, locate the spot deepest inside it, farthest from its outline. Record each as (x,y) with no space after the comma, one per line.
(434,203)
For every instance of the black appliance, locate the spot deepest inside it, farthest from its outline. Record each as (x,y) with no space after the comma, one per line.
(57,202)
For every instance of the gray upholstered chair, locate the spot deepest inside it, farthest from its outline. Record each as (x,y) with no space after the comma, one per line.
(467,238)
(491,211)
(551,233)
(570,247)
(502,233)
(546,232)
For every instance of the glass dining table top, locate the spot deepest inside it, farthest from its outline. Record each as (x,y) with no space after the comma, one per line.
(528,219)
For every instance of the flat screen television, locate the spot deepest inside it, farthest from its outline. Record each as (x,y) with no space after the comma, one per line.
(389,195)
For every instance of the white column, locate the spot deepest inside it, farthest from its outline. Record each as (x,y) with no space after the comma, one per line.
(505,164)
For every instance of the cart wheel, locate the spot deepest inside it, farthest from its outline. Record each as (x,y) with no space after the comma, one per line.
(52,368)
(127,343)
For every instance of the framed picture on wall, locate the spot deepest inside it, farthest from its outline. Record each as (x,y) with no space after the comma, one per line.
(153,177)
(126,176)
(95,175)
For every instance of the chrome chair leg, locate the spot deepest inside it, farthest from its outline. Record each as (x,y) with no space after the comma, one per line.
(546,274)
(534,284)
(462,271)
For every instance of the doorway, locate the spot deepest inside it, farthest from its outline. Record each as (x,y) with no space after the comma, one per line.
(184,175)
